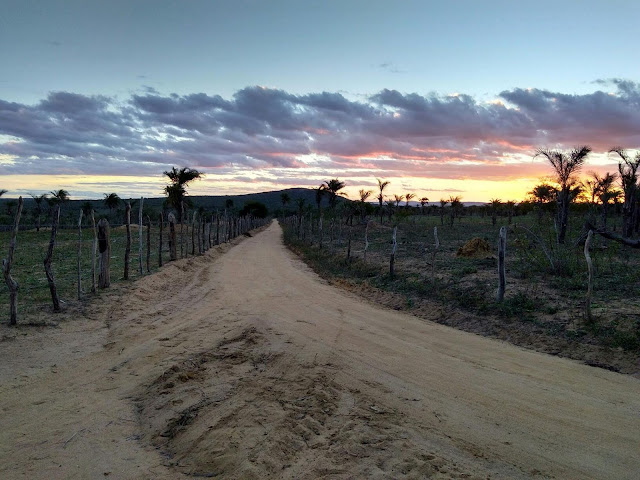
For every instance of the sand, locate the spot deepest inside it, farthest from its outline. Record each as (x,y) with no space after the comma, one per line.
(242,363)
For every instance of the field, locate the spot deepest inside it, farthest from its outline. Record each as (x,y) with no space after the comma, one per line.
(544,304)
(34,299)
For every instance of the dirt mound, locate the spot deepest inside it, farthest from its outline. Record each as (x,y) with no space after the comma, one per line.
(475,248)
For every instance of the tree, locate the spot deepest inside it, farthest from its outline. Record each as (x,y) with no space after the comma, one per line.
(423,202)
(60,197)
(456,205)
(87,207)
(364,196)
(605,192)
(111,201)
(408,197)
(333,187)
(628,170)
(177,190)
(397,199)
(3,191)
(494,203)
(285,199)
(10,204)
(565,166)
(255,209)
(381,186)
(37,211)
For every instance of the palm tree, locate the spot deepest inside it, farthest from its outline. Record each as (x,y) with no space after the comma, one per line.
(423,202)
(566,166)
(494,203)
(177,190)
(381,186)
(628,170)
(111,201)
(511,206)
(409,196)
(37,211)
(333,187)
(3,191)
(605,193)
(456,205)
(364,196)
(60,196)
(319,195)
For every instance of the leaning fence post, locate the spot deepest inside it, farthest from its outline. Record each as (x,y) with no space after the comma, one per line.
(502,246)
(104,247)
(587,256)
(6,269)
(392,260)
(48,259)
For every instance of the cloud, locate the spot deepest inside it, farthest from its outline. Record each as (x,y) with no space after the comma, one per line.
(314,135)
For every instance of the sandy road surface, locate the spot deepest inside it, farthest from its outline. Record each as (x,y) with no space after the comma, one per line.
(246,365)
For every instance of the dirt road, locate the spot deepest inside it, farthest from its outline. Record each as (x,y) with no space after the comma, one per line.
(244,364)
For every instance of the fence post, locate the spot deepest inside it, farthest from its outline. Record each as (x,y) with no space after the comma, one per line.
(366,241)
(79,255)
(49,258)
(148,244)
(502,246)
(94,250)
(173,254)
(140,232)
(127,249)
(160,241)
(392,260)
(6,269)
(435,252)
(104,247)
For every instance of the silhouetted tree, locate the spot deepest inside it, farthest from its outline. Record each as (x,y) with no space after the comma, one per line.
(565,166)
(176,191)
(628,170)
(333,187)
(111,201)
(381,186)
(37,210)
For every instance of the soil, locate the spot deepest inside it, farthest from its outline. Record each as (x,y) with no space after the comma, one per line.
(243,364)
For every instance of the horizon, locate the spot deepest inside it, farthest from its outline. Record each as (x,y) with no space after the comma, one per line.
(451,100)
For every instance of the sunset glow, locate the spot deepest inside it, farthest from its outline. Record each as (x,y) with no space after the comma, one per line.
(266,112)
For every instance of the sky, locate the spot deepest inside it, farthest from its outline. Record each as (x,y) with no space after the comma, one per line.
(439,98)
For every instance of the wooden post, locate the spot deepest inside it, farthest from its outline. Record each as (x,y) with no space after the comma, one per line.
(435,252)
(366,240)
(349,246)
(140,232)
(217,228)
(148,244)
(49,258)
(160,241)
(193,231)
(320,229)
(181,230)
(502,279)
(392,260)
(104,248)
(6,269)
(173,254)
(79,255)
(127,249)
(587,256)
(94,251)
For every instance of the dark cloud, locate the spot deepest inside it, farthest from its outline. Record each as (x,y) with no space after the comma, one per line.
(388,133)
